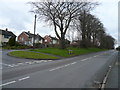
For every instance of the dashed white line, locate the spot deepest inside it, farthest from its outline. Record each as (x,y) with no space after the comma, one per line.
(24,78)
(67,65)
(7,83)
(6,64)
(63,66)
(14,81)
(50,60)
(14,65)
(27,62)
(20,63)
(96,56)
(90,57)
(73,63)
(45,61)
(86,59)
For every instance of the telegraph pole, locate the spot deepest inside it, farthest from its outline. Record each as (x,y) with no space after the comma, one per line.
(34,31)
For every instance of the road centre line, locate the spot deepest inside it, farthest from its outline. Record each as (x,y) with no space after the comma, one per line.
(24,78)
(63,66)
(7,83)
(74,63)
(96,56)
(86,59)
(91,57)
(21,79)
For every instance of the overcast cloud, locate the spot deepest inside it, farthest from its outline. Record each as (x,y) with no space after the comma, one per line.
(15,15)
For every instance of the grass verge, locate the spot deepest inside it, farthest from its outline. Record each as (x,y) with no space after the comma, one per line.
(31,55)
(65,53)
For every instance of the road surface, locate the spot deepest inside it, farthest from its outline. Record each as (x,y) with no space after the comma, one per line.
(84,71)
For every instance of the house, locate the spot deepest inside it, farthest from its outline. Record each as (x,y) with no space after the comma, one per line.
(5,35)
(27,38)
(50,40)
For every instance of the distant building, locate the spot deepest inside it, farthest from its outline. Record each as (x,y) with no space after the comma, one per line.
(50,40)
(5,35)
(27,38)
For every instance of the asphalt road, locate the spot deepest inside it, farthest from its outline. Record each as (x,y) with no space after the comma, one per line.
(82,71)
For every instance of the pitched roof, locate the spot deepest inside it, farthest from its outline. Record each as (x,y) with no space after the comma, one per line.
(32,35)
(54,38)
(6,32)
(51,37)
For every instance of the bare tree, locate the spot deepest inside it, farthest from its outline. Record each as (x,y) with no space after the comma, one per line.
(93,32)
(61,14)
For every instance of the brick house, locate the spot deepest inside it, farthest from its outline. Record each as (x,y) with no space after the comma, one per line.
(50,40)
(5,35)
(26,38)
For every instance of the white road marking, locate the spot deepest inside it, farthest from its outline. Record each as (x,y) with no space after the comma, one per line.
(50,60)
(96,56)
(67,65)
(27,62)
(6,64)
(90,57)
(14,65)
(24,78)
(20,63)
(85,59)
(37,61)
(7,83)
(73,63)
(45,61)
(14,81)
(63,66)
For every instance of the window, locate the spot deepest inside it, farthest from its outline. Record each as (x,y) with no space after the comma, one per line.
(6,36)
(22,39)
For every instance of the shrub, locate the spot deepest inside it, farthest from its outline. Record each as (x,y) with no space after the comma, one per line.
(39,45)
(11,41)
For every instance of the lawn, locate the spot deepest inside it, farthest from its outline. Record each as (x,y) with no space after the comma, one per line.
(32,55)
(65,53)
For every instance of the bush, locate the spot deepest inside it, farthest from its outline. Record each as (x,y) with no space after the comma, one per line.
(4,44)
(11,41)
(39,45)
(17,47)
(18,44)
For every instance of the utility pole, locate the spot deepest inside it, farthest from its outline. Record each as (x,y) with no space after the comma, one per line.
(34,31)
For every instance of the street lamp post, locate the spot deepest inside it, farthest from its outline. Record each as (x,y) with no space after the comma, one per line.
(34,31)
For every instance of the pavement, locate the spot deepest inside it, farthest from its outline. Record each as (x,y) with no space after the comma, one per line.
(84,71)
(113,80)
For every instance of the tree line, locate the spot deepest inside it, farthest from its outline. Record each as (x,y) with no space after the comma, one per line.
(64,16)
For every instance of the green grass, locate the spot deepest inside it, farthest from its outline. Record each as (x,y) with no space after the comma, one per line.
(65,53)
(32,55)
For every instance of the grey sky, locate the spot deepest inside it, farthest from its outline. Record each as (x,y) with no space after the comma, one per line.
(15,15)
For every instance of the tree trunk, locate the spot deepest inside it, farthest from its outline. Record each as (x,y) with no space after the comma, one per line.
(62,41)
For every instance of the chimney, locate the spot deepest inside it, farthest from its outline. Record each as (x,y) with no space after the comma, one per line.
(28,31)
(6,29)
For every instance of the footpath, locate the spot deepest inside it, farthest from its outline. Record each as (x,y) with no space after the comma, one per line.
(114,76)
